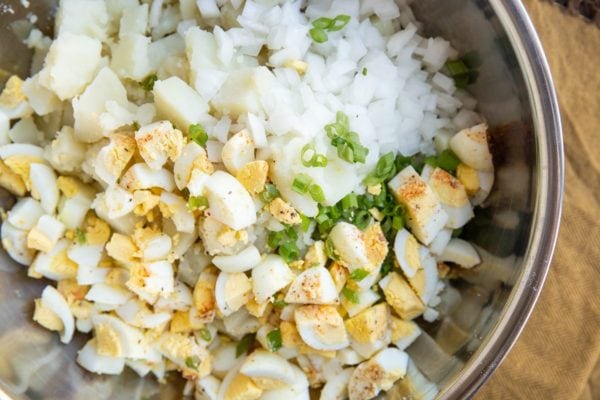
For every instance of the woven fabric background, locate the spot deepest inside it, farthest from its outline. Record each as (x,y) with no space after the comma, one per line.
(558,355)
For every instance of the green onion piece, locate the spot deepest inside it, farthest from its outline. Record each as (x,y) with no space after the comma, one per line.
(339,23)
(325,226)
(318,35)
(193,362)
(148,83)
(270,193)
(343,120)
(362,219)
(80,236)
(205,334)
(330,250)
(322,23)
(197,133)
(316,193)
(364,71)
(291,232)
(274,239)
(359,274)
(385,167)
(279,303)
(274,340)
(305,224)
(431,161)
(457,232)
(301,183)
(397,222)
(387,266)
(349,201)
(448,161)
(315,160)
(402,162)
(350,295)
(244,344)
(196,202)
(289,251)
(456,67)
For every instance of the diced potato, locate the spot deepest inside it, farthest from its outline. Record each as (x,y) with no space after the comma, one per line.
(130,57)
(88,108)
(178,102)
(71,64)
(134,20)
(82,17)
(42,100)
(242,91)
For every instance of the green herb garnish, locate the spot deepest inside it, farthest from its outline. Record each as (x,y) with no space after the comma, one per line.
(350,295)
(359,274)
(193,362)
(80,236)
(148,82)
(205,334)
(323,25)
(197,202)
(345,141)
(364,71)
(270,193)
(274,340)
(244,344)
(197,133)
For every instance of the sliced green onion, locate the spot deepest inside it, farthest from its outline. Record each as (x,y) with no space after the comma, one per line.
(316,193)
(339,23)
(196,202)
(193,362)
(205,334)
(244,344)
(343,120)
(457,232)
(448,161)
(279,303)
(270,193)
(197,133)
(318,35)
(364,71)
(315,159)
(322,23)
(387,266)
(397,222)
(359,274)
(362,219)
(301,183)
(305,224)
(456,67)
(148,83)
(431,161)
(349,201)
(80,236)
(330,250)
(350,295)
(289,251)
(274,239)
(291,232)
(274,340)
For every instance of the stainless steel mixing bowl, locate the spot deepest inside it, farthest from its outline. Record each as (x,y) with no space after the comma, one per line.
(516,231)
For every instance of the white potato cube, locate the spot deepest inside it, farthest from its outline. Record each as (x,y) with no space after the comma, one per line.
(71,64)
(42,100)
(178,102)
(134,20)
(82,17)
(130,57)
(243,90)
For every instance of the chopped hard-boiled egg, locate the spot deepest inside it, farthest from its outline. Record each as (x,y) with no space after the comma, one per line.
(269,276)
(425,216)
(321,327)
(377,374)
(401,297)
(229,202)
(460,252)
(238,151)
(232,291)
(253,175)
(453,196)
(313,286)
(471,146)
(243,261)
(159,142)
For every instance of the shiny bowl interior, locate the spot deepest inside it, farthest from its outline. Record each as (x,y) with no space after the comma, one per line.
(516,231)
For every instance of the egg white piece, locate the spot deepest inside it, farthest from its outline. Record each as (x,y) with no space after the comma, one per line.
(14,241)
(118,201)
(181,216)
(157,248)
(243,261)
(89,359)
(264,364)
(240,323)
(406,249)
(366,350)
(184,164)
(486,182)
(132,341)
(232,291)
(321,327)
(72,211)
(140,176)
(269,276)
(366,299)
(441,240)
(387,366)
(55,302)
(348,242)
(124,224)
(313,286)
(87,257)
(238,151)
(113,296)
(157,142)
(461,252)
(136,313)
(224,359)
(207,388)
(229,202)
(349,356)
(158,280)
(179,300)
(21,149)
(471,147)
(337,387)
(43,183)
(410,335)
(299,390)
(25,213)
(51,266)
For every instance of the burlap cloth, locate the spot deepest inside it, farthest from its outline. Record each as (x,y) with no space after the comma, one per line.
(558,354)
